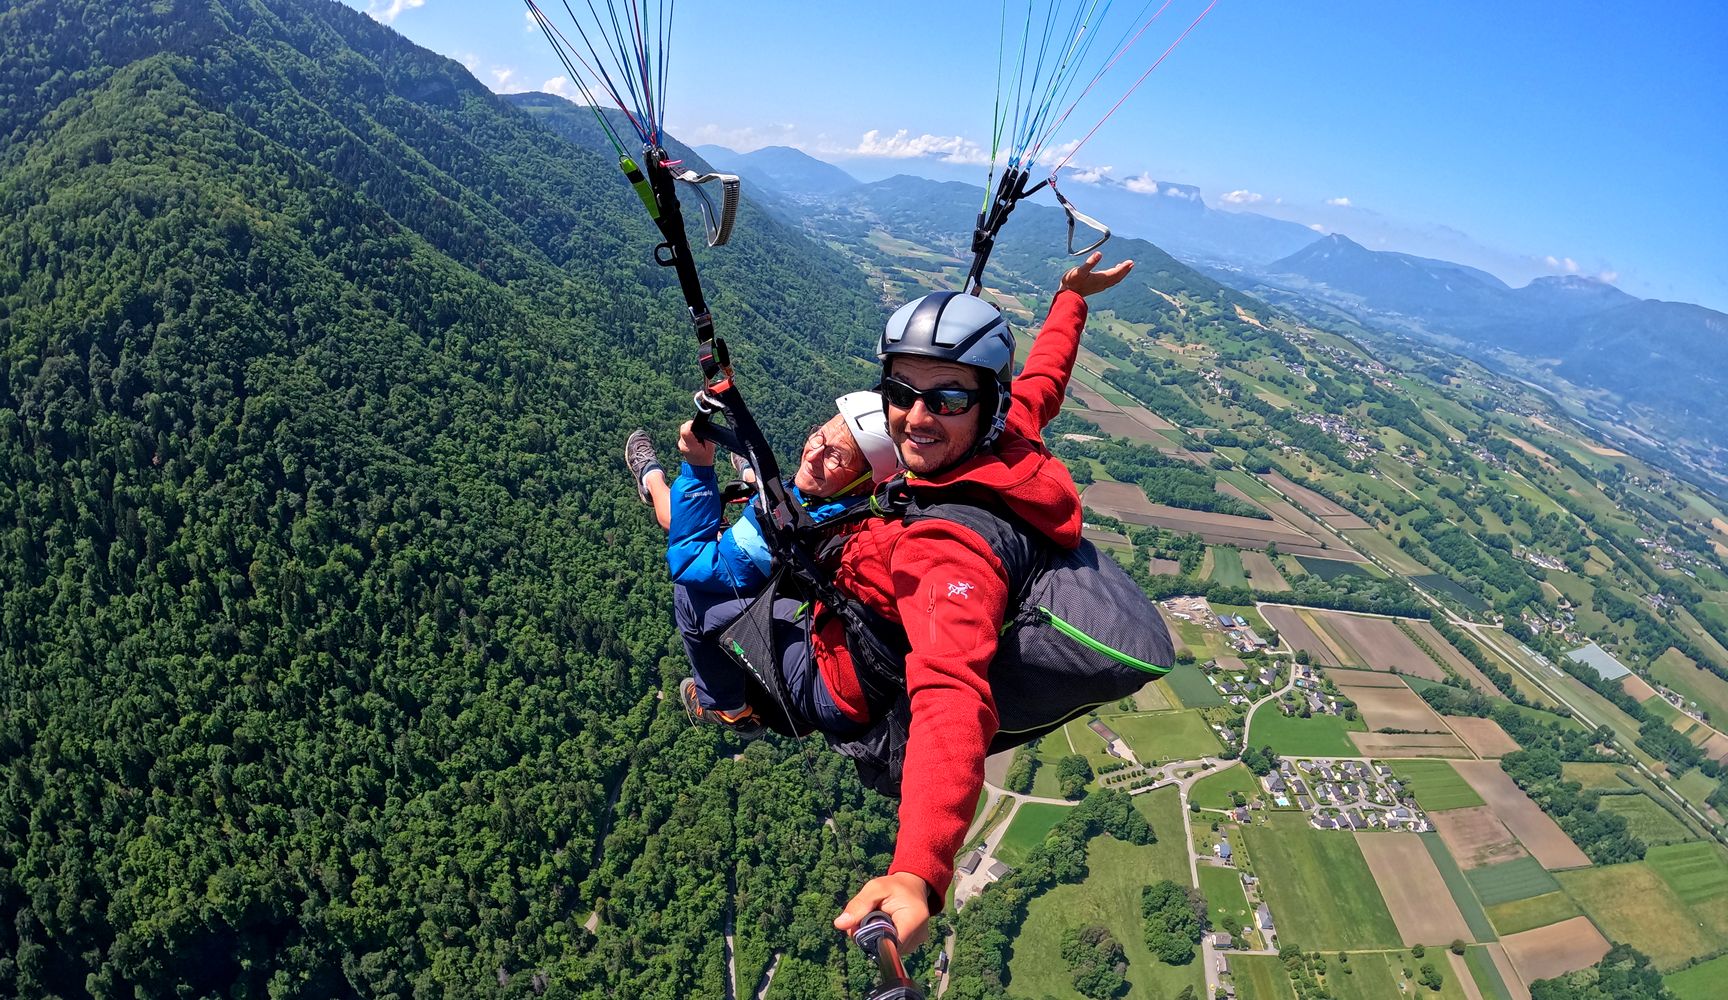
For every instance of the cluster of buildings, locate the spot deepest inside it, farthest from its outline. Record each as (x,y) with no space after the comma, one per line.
(1308,692)
(1345,795)
(1356,444)
(1243,684)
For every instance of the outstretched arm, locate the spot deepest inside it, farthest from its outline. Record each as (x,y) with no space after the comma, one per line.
(1042,383)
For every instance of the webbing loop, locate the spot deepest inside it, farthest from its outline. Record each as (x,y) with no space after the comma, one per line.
(719,227)
(1075,215)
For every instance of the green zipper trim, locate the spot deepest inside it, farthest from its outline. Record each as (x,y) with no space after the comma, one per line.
(1098,647)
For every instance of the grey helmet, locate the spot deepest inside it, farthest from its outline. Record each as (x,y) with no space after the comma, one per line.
(952,326)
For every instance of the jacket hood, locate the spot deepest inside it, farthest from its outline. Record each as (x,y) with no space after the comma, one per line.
(1034,484)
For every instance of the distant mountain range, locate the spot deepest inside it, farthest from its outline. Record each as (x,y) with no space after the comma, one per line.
(1653,369)
(1664,361)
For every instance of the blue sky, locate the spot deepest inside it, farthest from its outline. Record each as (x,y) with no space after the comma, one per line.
(1526,138)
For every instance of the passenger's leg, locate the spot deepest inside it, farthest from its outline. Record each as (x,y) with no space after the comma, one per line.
(720,683)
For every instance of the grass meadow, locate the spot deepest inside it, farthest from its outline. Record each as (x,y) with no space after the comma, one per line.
(1537,911)
(1321,736)
(1213,791)
(1436,785)
(1319,887)
(1032,822)
(1110,895)
(1511,880)
(1633,904)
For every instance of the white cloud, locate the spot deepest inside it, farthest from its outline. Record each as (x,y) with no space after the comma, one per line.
(561,86)
(386,11)
(902,145)
(1087,175)
(1241,197)
(503,81)
(1338,202)
(1176,192)
(1142,184)
(1317,227)
(1566,265)
(470,62)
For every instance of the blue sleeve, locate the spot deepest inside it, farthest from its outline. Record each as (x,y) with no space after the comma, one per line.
(700,551)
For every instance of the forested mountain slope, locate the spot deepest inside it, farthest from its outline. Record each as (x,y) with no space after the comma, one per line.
(329,626)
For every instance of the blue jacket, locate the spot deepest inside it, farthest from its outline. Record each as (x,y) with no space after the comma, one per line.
(703,554)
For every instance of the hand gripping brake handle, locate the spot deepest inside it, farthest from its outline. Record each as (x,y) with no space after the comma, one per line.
(876,936)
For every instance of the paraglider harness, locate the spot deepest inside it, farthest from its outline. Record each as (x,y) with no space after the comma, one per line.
(1048,668)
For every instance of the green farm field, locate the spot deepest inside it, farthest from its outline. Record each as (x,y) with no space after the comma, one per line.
(1189,685)
(1227,567)
(1165,735)
(1700,982)
(1319,887)
(1537,911)
(1436,785)
(1633,904)
(1481,929)
(1332,569)
(1225,901)
(1377,976)
(1261,977)
(1510,880)
(1486,974)
(1213,791)
(1602,776)
(1646,819)
(1321,736)
(1698,874)
(1701,686)
(1032,822)
(1110,895)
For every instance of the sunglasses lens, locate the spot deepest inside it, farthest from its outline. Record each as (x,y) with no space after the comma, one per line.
(949,402)
(942,402)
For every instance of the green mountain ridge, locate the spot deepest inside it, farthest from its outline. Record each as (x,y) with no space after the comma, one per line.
(332,630)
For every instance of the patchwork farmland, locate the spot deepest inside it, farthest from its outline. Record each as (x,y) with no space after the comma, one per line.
(1416,895)
(1554,950)
(1128,503)
(1539,834)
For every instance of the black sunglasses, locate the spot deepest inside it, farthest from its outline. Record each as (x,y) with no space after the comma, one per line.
(942,402)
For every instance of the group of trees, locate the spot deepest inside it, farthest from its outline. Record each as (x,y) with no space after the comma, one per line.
(1176,917)
(985,930)
(1536,769)
(1095,961)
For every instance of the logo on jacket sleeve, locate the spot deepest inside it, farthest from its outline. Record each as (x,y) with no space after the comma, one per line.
(961,589)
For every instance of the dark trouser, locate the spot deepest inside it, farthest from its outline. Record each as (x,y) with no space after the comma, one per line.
(720,680)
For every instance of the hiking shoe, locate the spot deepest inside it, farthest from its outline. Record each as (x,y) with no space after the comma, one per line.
(744,722)
(746,471)
(640,459)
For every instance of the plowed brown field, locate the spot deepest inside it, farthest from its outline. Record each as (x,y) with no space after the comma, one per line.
(1401,745)
(1380,644)
(1421,905)
(1453,658)
(1555,950)
(1638,688)
(1395,708)
(1296,632)
(1262,573)
(1484,737)
(1476,837)
(1129,503)
(1539,834)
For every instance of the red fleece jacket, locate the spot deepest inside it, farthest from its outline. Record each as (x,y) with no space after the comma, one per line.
(946,588)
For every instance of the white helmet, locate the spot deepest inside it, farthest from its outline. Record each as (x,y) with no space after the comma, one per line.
(868,421)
